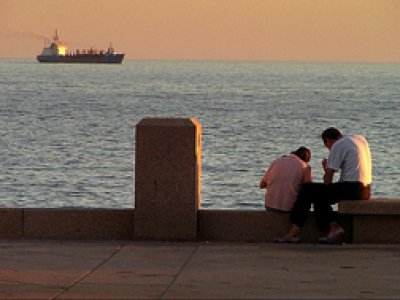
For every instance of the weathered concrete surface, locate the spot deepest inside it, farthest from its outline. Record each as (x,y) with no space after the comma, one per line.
(257,226)
(90,224)
(11,223)
(167,178)
(43,270)
(377,206)
(65,270)
(376,229)
(374,221)
(212,225)
(118,224)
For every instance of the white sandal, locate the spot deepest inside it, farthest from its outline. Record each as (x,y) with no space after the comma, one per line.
(333,237)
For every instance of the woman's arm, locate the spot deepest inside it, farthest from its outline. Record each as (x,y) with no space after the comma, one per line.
(263,184)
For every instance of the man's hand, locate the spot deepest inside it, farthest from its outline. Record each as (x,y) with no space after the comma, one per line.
(328,176)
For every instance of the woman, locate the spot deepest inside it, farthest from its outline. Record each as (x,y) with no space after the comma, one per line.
(284,178)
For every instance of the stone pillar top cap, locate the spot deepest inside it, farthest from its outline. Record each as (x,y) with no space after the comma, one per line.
(168,121)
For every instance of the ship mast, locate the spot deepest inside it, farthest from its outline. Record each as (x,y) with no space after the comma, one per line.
(110,49)
(55,37)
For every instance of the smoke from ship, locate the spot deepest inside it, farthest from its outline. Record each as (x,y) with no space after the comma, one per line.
(26,35)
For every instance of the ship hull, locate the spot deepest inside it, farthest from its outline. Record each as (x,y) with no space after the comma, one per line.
(82,59)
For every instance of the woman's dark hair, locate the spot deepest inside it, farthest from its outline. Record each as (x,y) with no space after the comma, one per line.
(303,153)
(331,133)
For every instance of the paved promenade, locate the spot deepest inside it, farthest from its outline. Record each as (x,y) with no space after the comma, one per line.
(137,270)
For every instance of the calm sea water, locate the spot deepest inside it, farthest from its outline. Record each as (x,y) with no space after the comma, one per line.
(67,131)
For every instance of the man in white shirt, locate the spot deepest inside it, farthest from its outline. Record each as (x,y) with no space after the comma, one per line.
(349,154)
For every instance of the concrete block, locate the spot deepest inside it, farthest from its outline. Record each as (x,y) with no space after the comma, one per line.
(91,224)
(380,206)
(241,225)
(11,223)
(374,221)
(167,178)
(376,229)
(256,226)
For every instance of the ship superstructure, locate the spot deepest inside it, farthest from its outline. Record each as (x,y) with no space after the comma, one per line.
(57,52)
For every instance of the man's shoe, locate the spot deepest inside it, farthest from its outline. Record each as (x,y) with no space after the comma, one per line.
(333,237)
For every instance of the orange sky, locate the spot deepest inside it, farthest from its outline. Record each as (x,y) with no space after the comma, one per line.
(302,30)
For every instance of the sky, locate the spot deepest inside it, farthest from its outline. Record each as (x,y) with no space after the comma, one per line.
(244,30)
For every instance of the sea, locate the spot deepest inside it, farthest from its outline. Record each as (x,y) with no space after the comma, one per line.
(67,131)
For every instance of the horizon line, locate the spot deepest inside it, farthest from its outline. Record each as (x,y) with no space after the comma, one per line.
(229,60)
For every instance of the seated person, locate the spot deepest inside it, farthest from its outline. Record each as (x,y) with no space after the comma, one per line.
(284,178)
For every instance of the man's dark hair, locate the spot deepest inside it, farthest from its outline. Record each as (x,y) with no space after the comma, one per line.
(303,153)
(331,133)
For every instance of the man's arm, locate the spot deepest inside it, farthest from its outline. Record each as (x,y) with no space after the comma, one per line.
(328,176)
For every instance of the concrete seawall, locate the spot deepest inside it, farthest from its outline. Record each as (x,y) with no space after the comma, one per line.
(114,224)
(167,203)
(55,223)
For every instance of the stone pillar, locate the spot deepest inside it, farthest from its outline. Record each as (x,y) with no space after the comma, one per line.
(167,178)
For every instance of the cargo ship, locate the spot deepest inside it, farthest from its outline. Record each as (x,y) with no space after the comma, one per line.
(57,52)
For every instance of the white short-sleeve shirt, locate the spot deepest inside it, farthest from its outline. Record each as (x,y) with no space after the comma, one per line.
(351,155)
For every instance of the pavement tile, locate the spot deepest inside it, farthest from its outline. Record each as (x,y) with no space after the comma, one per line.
(288,271)
(150,260)
(27,291)
(121,291)
(92,270)
(127,277)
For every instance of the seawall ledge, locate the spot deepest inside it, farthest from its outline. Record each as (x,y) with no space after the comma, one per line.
(376,225)
(119,224)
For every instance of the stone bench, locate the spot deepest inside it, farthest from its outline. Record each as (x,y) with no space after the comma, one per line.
(256,226)
(373,221)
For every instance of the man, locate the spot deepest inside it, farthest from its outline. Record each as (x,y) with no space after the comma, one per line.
(284,178)
(349,154)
